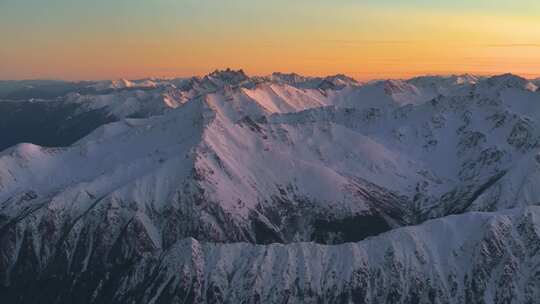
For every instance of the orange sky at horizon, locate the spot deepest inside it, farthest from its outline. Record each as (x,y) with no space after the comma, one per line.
(366,41)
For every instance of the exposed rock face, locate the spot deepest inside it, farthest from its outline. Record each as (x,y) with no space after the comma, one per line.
(471,258)
(233,189)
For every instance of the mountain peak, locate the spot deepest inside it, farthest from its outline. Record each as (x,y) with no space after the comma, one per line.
(337,81)
(280,76)
(229,76)
(509,80)
(394,86)
(444,81)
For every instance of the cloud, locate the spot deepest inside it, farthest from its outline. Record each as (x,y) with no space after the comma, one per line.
(511,45)
(371,42)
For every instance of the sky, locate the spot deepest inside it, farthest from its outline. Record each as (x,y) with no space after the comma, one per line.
(366,39)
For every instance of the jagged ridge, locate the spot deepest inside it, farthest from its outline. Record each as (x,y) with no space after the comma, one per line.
(229,158)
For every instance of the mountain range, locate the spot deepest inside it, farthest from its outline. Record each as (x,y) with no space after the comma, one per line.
(277,189)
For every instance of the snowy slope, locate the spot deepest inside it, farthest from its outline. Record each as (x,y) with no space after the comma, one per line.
(473,258)
(228,158)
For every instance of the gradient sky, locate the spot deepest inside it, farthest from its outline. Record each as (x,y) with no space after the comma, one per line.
(98,39)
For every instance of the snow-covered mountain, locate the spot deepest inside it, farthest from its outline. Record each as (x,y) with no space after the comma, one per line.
(230,188)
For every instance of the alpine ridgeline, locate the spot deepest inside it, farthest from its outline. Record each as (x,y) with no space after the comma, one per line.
(279,189)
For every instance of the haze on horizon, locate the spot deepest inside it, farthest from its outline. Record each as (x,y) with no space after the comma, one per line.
(79,40)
